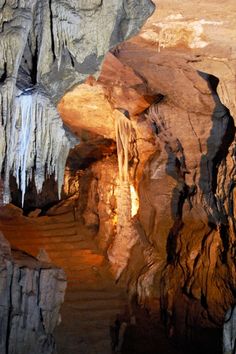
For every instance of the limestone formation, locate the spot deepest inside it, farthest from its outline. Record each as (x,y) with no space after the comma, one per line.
(175,82)
(183,258)
(229,333)
(31,294)
(47,47)
(126,235)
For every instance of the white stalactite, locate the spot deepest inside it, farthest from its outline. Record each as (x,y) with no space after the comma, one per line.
(36,38)
(35,141)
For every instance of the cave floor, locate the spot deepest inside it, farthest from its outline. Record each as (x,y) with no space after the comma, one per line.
(93,299)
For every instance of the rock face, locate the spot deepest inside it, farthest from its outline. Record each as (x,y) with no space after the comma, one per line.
(31,294)
(207,37)
(47,47)
(229,332)
(184,171)
(185,208)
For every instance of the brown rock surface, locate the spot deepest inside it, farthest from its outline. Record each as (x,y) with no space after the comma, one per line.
(206,36)
(85,103)
(92,300)
(186,163)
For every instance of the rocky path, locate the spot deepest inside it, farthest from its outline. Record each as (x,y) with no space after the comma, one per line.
(93,299)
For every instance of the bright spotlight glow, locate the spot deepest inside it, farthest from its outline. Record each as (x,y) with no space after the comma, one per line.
(134,201)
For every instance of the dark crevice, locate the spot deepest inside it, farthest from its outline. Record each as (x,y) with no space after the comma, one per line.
(172,241)
(71,59)
(224,234)
(4,74)
(231,203)
(51,30)
(34,69)
(221,137)
(226,141)
(178,199)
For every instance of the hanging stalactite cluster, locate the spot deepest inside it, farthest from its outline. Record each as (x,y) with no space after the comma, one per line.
(36,143)
(46,48)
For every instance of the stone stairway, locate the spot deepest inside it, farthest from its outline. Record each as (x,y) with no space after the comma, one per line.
(93,300)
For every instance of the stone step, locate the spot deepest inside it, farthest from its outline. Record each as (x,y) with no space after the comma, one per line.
(94,295)
(57,249)
(31,226)
(91,328)
(85,255)
(54,247)
(92,299)
(83,345)
(95,305)
(86,314)
(18,234)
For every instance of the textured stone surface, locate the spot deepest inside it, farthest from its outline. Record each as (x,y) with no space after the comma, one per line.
(185,207)
(206,37)
(229,334)
(183,261)
(31,294)
(47,47)
(184,258)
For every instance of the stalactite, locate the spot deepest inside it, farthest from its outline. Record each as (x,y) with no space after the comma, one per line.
(124,135)
(51,45)
(126,236)
(36,144)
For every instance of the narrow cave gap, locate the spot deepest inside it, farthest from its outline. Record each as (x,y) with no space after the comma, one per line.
(52,30)
(72,59)
(34,69)
(28,70)
(224,234)
(4,74)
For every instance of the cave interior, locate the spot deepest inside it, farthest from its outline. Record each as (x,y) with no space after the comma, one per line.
(117,186)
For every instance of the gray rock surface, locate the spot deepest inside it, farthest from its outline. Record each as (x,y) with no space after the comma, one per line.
(31,294)
(47,46)
(229,332)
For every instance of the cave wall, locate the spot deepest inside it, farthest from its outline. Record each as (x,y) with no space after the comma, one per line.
(183,249)
(186,191)
(47,47)
(31,295)
(182,262)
